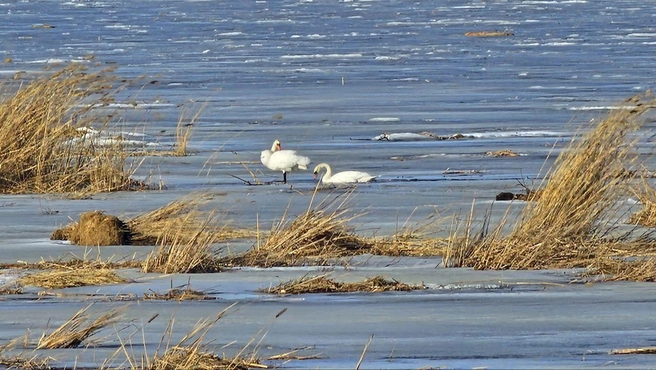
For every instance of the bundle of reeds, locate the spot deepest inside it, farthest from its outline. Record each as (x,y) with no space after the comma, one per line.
(77,329)
(566,225)
(317,236)
(324,284)
(42,149)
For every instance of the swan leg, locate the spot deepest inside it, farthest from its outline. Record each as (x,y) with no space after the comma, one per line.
(284,177)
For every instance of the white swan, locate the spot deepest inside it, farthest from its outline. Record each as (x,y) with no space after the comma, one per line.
(344,177)
(277,159)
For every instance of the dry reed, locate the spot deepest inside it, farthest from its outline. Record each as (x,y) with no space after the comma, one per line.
(646,216)
(323,284)
(184,217)
(68,278)
(317,236)
(74,272)
(183,131)
(95,228)
(191,352)
(42,149)
(11,288)
(565,226)
(186,294)
(27,363)
(77,329)
(634,351)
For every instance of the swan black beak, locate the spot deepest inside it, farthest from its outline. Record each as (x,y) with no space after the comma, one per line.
(315,175)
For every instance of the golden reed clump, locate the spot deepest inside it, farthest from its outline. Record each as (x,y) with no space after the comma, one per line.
(566,225)
(42,147)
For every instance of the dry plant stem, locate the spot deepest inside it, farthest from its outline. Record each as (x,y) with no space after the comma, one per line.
(364,351)
(183,132)
(77,329)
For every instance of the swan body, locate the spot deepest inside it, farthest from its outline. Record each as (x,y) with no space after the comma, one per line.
(277,159)
(344,177)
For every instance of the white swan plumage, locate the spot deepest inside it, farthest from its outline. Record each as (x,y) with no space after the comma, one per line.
(344,177)
(277,159)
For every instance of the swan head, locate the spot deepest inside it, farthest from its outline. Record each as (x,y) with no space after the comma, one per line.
(319,167)
(276,146)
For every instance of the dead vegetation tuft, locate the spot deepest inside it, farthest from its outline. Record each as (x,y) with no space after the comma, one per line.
(646,216)
(176,222)
(191,352)
(42,146)
(502,153)
(567,225)
(95,228)
(74,272)
(488,34)
(11,288)
(323,284)
(177,294)
(77,329)
(73,277)
(29,363)
(185,237)
(316,237)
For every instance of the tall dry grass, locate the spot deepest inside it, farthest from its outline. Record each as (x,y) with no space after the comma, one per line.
(183,131)
(185,234)
(78,329)
(317,236)
(190,352)
(41,148)
(567,224)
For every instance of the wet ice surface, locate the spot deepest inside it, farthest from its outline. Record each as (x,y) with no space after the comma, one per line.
(327,79)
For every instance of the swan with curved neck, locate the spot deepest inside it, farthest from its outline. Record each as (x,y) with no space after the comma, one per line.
(344,177)
(277,159)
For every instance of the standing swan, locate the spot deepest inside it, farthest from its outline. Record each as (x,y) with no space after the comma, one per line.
(277,159)
(344,177)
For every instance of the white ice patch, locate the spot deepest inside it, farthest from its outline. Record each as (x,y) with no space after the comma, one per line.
(385,119)
(322,56)
(402,136)
(110,138)
(497,134)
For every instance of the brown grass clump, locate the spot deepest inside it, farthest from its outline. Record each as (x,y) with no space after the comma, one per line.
(408,246)
(323,284)
(11,289)
(180,220)
(183,132)
(20,362)
(634,351)
(192,353)
(74,277)
(185,237)
(177,294)
(74,272)
(314,237)
(41,148)
(502,153)
(175,222)
(564,227)
(95,229)
(646,216)
(77,329)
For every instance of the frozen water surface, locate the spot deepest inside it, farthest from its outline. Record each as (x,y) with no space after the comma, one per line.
(328,78)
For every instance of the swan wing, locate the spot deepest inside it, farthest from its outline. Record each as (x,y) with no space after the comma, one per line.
(287,160)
